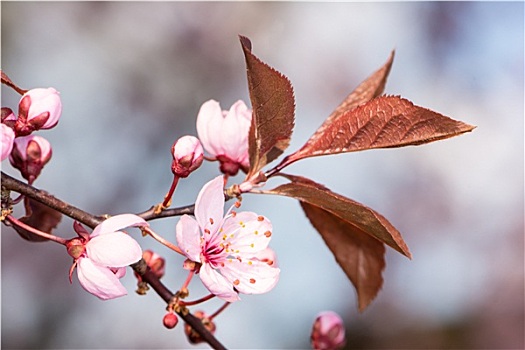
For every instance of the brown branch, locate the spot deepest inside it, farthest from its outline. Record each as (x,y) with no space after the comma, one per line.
(49,200)
(12,184)
(166,213)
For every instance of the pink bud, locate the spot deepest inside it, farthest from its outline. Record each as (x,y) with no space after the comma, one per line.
(29,155)
(170,320)
(155,262)
(187,155)
(38,109)
(8,136)
(192,335)
(328,331)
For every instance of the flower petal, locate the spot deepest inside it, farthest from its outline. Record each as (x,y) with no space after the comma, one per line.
(99,280)
(115,249)
(267,256)
(189,237)
(119,272)
(209,123)
(251,276)
(117,223)
(235,130)
(8,136)
(217,284)
(209,206)
(247,233)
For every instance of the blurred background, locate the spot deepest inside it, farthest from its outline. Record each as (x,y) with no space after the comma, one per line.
(132,77)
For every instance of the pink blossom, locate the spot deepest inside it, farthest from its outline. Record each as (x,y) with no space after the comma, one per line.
(328,331)
(187,155)
(38,109)
(101,257)
(227,247)
(8,136)
(224,134)
(29,155)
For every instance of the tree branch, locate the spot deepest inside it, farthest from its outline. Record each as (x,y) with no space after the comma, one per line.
(90,220)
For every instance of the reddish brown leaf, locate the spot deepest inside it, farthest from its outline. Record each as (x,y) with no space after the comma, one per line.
(384,122)
(38,216)
(273,104)
(354,213)
(361,256)
(372,87)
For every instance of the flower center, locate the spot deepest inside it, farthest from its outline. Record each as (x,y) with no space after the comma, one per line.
(213,253)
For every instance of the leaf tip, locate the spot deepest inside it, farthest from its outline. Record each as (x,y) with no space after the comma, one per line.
(245,42)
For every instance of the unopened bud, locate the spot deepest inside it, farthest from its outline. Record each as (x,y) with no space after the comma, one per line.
(29,155)
(170,320)
(192,335)
(187,155)
(155,262)
(328,331)
(8,136)
(38,109)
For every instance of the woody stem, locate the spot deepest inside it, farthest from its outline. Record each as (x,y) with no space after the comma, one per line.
(20,224)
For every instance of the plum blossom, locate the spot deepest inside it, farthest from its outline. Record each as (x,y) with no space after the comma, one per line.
(328,331)
(227,248)
(224,134)
(8,136)
(29,155)
(38,109)
(102,256)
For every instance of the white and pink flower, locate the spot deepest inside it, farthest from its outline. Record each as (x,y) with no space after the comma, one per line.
(227,248)
(38,109)
(102,256)
(29,155)
(224,134)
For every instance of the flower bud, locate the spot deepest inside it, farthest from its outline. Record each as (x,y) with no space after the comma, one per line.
(8,136)
(29,155)
(328,331)
(170,320)
(187,155)
(38,109)
(193,336)
(155,262)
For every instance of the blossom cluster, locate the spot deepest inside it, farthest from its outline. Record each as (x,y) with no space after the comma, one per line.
(37,109)
(228,250)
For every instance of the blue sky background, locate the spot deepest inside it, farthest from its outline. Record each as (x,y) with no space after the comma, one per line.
(132,77)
